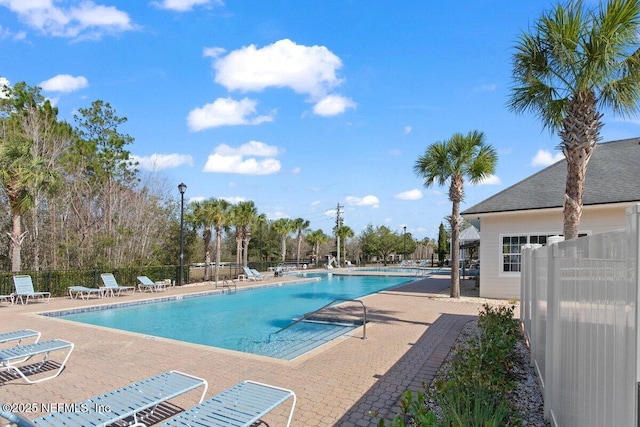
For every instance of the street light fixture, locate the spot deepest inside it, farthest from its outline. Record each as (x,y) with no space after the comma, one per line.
(182,188)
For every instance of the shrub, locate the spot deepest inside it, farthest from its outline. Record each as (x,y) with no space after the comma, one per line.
(473,391)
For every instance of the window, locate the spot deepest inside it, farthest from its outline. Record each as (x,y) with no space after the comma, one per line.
(511,246)
(511,252)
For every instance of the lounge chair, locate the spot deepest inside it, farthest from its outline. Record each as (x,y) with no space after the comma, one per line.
(24,290)
(6,337)
(241,405)
(11,357)
(20,335)
(256,274)
(133,402)
(112,287)
(7,298)
(85,292)
(147,284)
(248,275)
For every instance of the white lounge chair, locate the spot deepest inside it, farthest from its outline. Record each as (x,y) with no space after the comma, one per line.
(11,357)
(241,405)
(133,401)
(6,337)
(256,274)
(147,284)
(7,298)
(24,290)
(248,274)
(112,287)
(85,292)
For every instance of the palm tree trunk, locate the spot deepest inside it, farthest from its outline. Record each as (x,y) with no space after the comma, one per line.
(579,135)
(245,250)
(283,247)
(455,195)
(455,251)
(218,248)
(17,237)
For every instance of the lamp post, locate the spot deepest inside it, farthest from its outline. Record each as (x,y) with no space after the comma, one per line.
(404,243)
(182,188)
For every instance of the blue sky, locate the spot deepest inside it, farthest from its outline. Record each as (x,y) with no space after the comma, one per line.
(300,106)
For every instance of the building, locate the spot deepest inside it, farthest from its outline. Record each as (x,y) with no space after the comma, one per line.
(531,210)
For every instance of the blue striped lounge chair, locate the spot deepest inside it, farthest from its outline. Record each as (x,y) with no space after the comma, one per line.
(132,403)
(111,286)
(11,358)
(241,405)
(147,284)
(24,290)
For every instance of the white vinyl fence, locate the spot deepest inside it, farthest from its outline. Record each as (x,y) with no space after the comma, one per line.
(578,307)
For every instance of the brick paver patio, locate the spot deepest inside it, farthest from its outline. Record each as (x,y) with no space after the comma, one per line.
(411,331)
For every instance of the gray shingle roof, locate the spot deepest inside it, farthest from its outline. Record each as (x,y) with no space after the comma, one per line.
(613,176)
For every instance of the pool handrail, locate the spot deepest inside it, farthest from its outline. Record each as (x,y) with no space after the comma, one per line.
(308,315)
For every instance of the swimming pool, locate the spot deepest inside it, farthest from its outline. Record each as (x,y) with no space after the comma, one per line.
(243,320)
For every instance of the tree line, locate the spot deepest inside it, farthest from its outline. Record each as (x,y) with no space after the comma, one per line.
(74,199)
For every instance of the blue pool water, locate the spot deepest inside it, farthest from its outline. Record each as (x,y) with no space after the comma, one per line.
(239,321)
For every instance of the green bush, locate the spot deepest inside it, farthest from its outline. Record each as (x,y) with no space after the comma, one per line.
(473,393)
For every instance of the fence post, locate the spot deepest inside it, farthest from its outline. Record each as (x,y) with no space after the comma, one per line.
(633,224)
(551,381)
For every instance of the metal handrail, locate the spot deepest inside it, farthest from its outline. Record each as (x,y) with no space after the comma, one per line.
(226,284)
(308,315)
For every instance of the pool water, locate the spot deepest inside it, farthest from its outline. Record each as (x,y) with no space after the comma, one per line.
(241,321)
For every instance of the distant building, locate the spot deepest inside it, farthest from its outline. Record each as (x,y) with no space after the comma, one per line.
(531,210)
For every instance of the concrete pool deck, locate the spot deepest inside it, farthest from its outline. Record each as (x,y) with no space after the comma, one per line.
(409,334)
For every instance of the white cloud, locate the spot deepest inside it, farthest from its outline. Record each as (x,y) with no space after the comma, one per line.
(414,194)
(225,112)
(369,200)
(296,170)
(251,148)
(186,5)
(546,158)
(486,88)
(156,162)
(86,20)
(315,203)
(213,52)
(64,83)
(394,152)
(407,130)
(332,105)
(234,199)
(490,180)
(227,159)
(305,69)
(6,33)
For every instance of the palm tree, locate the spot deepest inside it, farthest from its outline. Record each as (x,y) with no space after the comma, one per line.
(575,62)
(25,171)
(220,219)
(343,232)
(283,228)
(244,214)
(315,239)
(453,160)
(200,217)
(299,226)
